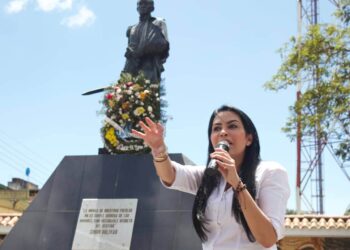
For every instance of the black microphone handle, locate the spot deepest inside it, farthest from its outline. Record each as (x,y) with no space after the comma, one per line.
(212,167)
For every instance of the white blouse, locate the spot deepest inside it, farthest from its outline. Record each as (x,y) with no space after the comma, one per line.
(224,232)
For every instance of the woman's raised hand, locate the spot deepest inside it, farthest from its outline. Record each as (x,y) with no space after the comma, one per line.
(153,133)
(153,136)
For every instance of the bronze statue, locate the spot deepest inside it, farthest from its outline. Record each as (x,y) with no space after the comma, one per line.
(148,45)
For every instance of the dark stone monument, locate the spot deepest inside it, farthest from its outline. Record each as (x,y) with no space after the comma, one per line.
(163,217)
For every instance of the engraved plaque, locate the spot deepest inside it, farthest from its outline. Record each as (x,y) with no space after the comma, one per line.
(105,224)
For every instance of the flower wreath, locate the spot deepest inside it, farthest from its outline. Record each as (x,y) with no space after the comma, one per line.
(125,103)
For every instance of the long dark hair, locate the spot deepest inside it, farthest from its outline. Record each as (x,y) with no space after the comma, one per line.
(247,174)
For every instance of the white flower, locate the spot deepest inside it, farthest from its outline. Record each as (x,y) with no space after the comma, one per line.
(150,109)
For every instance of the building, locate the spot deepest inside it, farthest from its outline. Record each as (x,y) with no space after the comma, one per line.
(14,199)
(20,184)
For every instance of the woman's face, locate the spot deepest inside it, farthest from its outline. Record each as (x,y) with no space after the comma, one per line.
(228,126)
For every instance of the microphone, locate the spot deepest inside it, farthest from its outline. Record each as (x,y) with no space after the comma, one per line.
(212,167)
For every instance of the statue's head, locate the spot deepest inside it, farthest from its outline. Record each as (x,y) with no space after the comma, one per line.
(145,6)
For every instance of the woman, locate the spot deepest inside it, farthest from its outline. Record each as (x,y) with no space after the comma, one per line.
(243,205)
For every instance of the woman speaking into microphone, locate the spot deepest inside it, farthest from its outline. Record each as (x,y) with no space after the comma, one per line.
(240,200)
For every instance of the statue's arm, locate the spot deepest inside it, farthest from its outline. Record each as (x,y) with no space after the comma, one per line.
(164,48)
(130,50)
(160,22)
(128,31)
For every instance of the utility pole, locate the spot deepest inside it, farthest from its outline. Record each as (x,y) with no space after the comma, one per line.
(309,147)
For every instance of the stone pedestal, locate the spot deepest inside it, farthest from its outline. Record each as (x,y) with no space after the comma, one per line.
(163,217)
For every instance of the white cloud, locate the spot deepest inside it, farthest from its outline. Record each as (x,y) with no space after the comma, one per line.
(16,6)
(50,5)
(84,17)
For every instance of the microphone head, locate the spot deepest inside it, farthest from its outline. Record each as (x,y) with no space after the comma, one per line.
(224,145)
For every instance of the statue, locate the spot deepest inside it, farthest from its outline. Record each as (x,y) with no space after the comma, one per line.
(148,45)
(138,92)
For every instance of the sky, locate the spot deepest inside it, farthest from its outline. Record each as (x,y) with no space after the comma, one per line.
(221,52)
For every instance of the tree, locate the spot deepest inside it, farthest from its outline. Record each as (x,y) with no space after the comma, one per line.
(347,211)
(321,61)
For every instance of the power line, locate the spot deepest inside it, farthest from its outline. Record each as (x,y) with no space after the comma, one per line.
(25,147)
(14,155)
(17,162)
(23,156)
(17,169)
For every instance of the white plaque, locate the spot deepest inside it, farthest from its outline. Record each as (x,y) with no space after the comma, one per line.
(105,224)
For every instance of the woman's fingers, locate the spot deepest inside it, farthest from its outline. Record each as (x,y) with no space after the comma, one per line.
(224,160)
(222,156)
(144,127)
(152,133)
(151,124)
(225,166)
(138,134)
(151,127)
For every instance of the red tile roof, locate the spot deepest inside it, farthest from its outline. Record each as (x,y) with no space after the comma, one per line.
(317,222)
(317,225)
(9,220)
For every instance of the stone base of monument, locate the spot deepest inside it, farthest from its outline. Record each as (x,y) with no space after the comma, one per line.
(106,200)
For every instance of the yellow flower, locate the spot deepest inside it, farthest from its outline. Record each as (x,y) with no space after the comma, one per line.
(125,116)
(111,103)
(110,136)
(136,87)
(139,111)
(143,95)
(125,105)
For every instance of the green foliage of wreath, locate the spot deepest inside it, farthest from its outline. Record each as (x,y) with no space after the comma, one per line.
(125,103)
